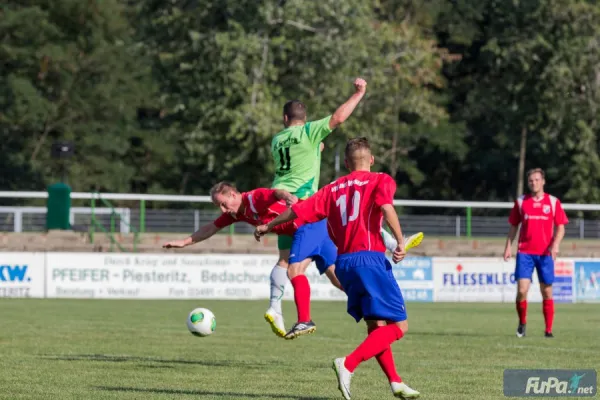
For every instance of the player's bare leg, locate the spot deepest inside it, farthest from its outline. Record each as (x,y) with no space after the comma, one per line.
(521,304)
(548,308)
(274,315)
(304,324)
(377,344)
(330,273)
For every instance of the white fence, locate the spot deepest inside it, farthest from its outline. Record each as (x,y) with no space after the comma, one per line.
(190,220)
(19,212)
(206,199)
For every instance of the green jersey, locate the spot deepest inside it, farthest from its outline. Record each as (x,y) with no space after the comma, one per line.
(297,157)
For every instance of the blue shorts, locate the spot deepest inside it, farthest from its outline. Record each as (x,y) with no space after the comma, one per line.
(372,290)
(544,265)
(313,241)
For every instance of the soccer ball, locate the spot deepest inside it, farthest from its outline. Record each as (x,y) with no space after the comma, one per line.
(201,322)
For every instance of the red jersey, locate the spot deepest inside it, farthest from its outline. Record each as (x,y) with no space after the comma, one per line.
(261,206)
(352,206)
(537,218)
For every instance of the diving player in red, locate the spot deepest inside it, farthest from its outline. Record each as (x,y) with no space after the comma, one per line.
(537,213)
(355,206)
(310,243)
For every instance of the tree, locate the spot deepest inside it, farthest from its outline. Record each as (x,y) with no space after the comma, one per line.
(68,72)
(226,70)
(518,63)
(571,99)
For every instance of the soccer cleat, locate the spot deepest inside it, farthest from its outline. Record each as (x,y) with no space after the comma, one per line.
(343,375)
(521,330)
(548,334)
(301,328)
(276,321)
(403,391)
(413,241)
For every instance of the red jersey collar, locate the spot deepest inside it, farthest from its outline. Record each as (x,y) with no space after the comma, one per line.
(537,199)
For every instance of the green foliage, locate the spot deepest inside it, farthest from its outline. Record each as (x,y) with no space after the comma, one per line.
(225,71)
(171,97)
(526,65)
(69,72)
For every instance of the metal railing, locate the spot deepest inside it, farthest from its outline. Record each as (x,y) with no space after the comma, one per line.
(152,220)
(31,219)
(95,223)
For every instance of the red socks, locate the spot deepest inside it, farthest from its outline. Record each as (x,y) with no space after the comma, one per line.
(522,311)
(377,342)
(386,362)
(302,297)
(548,309)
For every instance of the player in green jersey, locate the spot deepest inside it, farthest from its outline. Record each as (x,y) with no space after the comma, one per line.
(296,149)
(296,152)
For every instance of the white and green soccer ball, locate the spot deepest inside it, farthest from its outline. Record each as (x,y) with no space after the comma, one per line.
(201,322)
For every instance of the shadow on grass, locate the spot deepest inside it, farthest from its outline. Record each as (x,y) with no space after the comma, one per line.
(125,358)
(208,393)
(156,366)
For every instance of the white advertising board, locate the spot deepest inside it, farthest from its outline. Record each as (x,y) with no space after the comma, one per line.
(167,276)
(229,276)
(478,280)
(21,274)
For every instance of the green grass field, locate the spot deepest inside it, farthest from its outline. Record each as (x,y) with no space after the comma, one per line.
(109,349)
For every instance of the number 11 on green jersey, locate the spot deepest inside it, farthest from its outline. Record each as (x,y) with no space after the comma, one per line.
(297,157)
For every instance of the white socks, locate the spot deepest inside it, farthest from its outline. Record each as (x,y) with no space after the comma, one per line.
(279,279)
(388,239)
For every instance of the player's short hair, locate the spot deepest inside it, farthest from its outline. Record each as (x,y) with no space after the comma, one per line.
(222,188)
(536,170)
(294,110)
(356,144)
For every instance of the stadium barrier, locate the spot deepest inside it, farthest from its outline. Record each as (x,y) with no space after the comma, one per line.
(462,222)
(228,276)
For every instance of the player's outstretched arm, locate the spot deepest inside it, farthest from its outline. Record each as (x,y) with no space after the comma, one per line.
(345,110)
(286,216)
(512,233)
(289,198)
(391,218)
(200,235)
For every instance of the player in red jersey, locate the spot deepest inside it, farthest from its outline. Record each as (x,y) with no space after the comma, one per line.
(355,206)
(310,242)
(538,213)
